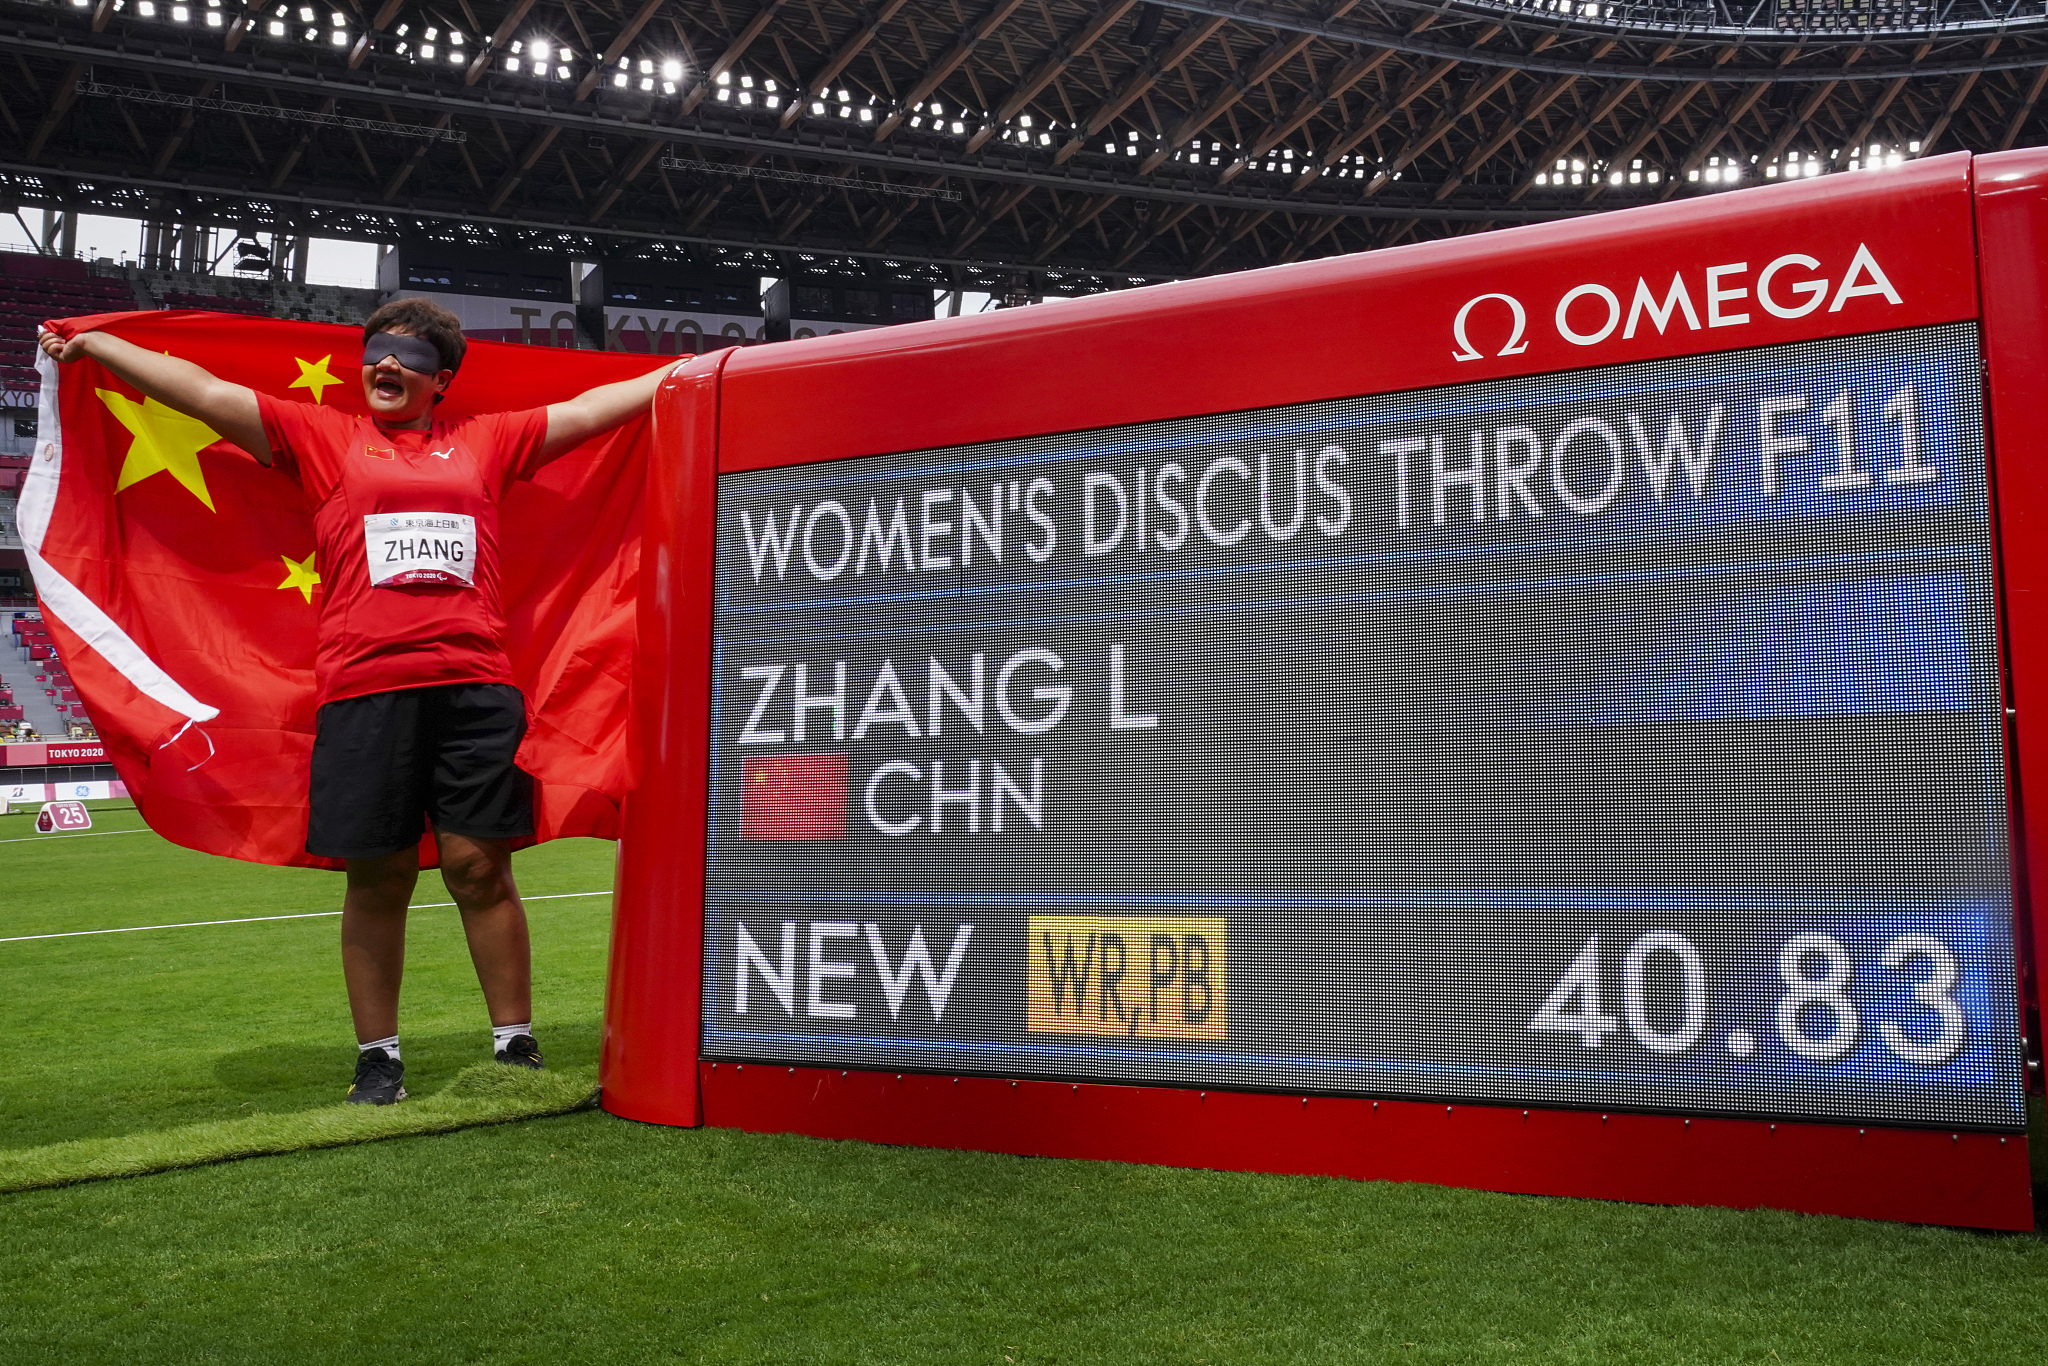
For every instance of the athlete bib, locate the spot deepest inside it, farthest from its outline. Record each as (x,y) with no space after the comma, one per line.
(420,547)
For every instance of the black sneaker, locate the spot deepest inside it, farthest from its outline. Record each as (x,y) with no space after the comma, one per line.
(378,1075)
(521,1051)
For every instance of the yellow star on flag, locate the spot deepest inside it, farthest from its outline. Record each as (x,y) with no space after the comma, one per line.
(165,440)
(314,375)
(300,574)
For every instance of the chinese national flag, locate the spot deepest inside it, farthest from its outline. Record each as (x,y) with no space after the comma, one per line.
(793,797)
(180,581)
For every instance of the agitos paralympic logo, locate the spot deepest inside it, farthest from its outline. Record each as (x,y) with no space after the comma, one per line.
(1129,977)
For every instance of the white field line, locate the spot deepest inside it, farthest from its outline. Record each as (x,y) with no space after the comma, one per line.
(255,919)
(81,835)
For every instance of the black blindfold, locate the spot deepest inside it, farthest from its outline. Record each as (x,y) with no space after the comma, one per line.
(414,353)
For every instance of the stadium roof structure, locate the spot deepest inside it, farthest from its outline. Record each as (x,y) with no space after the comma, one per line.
(1037,145)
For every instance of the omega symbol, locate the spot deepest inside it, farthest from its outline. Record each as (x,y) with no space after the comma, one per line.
(1515,347)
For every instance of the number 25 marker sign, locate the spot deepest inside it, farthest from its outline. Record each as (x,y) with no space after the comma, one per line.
(63,816)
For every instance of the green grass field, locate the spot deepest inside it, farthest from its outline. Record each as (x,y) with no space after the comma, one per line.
(585,1238)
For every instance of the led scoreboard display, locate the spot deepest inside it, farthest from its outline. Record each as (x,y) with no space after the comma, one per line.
(1548,710)
(1626,737)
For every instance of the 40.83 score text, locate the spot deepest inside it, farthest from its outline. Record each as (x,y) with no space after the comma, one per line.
(1814,1016)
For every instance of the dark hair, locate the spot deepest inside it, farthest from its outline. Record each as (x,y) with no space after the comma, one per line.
(425,319)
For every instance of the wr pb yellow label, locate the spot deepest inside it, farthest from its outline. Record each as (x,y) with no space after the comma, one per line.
(1127,976)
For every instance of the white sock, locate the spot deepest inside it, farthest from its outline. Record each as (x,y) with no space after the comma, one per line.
(389,1045)
(504,1034)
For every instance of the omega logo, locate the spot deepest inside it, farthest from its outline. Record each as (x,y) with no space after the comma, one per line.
(1515,347)
(1791,286)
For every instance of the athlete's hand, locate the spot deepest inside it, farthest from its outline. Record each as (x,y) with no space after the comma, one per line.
(60,350)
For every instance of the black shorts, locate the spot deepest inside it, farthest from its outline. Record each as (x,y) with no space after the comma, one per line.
(386,763)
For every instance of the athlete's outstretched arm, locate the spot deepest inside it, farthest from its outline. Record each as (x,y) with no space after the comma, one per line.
(229,409)
(598,410)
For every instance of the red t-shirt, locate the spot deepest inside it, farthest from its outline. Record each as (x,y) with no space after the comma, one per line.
(424,506)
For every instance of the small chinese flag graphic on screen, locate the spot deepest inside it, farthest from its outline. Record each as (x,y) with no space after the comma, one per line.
(793,797)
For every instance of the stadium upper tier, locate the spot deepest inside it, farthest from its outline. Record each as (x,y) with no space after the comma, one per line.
(1024,149)
(33,288)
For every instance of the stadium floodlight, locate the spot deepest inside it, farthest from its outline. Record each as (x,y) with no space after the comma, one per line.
(671,70)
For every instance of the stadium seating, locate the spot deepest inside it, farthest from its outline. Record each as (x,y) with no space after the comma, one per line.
(33,288)
(218,304)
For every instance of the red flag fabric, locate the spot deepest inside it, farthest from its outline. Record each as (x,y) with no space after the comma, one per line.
(793,797)
(179,577)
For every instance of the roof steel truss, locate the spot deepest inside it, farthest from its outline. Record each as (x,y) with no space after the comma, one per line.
(1074,143)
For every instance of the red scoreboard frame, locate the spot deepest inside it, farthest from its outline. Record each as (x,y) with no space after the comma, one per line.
(1958,238)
